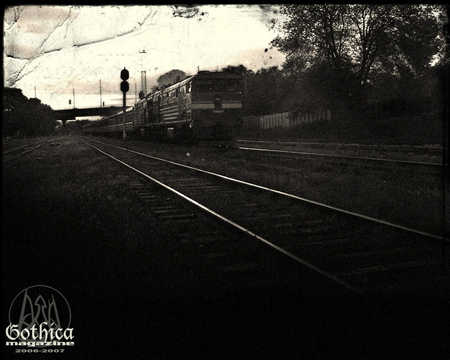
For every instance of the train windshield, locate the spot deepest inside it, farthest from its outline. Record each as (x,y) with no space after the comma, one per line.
(222,85)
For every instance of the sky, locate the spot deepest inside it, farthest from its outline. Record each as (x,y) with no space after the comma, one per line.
(55,50)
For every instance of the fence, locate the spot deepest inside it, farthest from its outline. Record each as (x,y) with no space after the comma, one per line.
(284,120)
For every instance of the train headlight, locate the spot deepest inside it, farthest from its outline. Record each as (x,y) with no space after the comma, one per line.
(190,125)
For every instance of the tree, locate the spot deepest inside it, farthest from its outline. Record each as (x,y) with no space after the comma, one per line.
(357,41)
(23,116)
(264,91)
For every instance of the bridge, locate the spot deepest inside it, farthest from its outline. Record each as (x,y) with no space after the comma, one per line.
(71,114)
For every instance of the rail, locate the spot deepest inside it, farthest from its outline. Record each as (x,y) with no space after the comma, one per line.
(292,196)
(345,157)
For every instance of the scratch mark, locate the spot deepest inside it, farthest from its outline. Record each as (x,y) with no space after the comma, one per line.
(187,11)
(19,75)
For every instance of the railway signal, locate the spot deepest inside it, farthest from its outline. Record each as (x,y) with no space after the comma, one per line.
(124,74)
(124,87)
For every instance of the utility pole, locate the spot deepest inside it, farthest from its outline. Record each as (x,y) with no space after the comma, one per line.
(144,82)
(101,93)
(35,93)
(143,73)
(124,107)
(135,92)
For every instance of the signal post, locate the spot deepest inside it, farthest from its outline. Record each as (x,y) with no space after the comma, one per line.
(124,87)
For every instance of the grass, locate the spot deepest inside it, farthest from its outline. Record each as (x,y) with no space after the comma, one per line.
(70,221)
(75,208)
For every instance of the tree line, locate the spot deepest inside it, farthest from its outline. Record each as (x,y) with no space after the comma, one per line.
(25,117)
(371,60)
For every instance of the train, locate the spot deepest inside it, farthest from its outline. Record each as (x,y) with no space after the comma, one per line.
(206,106)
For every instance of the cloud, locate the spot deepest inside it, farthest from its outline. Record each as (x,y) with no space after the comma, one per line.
(57,48)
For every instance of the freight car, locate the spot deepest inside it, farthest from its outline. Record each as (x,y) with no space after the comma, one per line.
(205,106)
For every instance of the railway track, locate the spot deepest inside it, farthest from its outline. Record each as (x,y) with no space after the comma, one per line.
(352,251)
(371,163)
(428,150)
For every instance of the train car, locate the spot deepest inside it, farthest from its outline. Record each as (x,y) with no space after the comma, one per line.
(205,106)
(112,125)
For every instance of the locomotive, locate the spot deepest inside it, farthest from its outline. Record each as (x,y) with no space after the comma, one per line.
(205,106)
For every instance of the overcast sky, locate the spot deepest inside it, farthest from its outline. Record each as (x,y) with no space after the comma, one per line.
(58,48)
